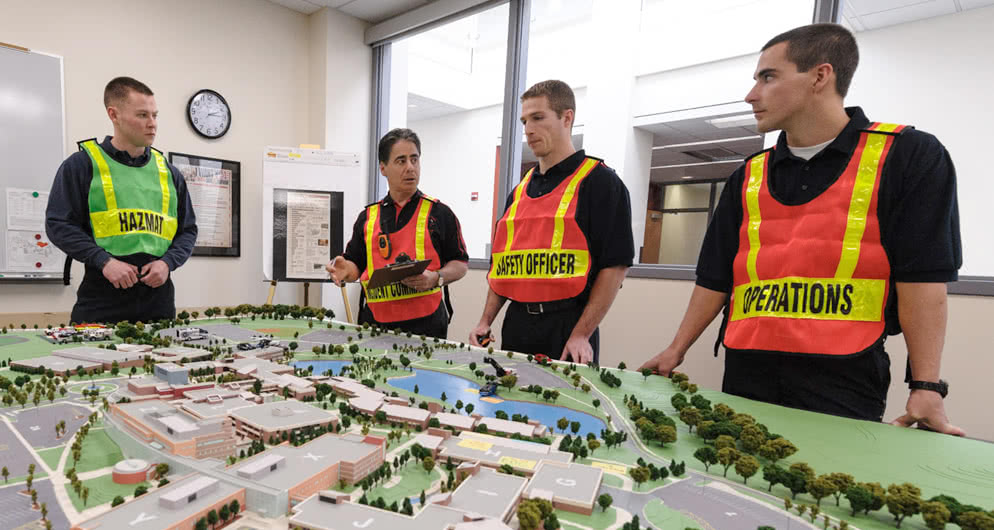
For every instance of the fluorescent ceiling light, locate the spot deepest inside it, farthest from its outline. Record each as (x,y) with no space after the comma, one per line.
(686,177)
(672,166)
(707,142)
(739,120)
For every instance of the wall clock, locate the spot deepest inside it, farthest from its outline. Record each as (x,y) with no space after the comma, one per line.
(209,114)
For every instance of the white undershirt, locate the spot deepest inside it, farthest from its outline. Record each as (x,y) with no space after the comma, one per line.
(807,153)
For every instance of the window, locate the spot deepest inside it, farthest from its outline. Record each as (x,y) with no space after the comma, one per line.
(659,86)
(447,84)
(191,498)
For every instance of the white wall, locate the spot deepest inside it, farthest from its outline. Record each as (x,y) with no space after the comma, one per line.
(936,74)
(254,52)
(458,157)
(348,102)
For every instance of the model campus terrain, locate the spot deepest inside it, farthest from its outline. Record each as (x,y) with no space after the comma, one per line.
(279,417)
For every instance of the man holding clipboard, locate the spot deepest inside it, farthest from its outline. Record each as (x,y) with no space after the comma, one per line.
(405,248)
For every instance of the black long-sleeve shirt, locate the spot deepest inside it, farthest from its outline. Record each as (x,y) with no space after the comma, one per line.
(917,207)
(67,217)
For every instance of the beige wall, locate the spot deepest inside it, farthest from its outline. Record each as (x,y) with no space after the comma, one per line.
(647,312)
(255,53)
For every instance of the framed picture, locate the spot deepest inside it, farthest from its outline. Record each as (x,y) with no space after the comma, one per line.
(215,190)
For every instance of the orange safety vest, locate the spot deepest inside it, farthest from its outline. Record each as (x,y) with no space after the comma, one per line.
(813,278)
(540,253)
(396,302)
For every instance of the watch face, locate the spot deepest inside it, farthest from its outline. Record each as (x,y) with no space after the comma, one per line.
(209,114)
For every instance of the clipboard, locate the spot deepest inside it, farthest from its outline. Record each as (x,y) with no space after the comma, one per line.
(396,272)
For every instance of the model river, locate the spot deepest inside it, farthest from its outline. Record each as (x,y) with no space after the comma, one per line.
(434,384)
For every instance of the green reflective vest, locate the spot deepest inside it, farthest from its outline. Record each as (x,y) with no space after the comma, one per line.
(132,209)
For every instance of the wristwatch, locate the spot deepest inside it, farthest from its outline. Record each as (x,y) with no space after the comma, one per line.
(941,387)
(441,279)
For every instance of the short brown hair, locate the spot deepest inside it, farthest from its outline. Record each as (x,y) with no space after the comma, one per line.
(119,87)
(559,94)
(814,44)
(391,138)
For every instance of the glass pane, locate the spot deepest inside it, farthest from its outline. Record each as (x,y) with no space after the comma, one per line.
(686,196)
(447,85)
(681,235)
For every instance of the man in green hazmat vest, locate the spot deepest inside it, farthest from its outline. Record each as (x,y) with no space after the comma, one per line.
(119,208)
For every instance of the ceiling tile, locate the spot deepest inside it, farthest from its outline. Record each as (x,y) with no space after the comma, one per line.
(973,4)
(866,7)
(375,11)
(302,6)
(908,14)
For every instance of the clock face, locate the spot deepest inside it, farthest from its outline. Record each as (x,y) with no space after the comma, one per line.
(209,114)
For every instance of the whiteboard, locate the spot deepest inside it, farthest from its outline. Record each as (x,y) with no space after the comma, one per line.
(32,146)
(293,168)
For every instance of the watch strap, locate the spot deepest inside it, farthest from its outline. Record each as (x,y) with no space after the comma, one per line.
(942,388)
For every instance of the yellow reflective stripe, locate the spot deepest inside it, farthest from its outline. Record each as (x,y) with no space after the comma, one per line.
(105,180)
(557,234)
(419,234)
(540,263)
(371,215)
(811,298)
(514,209)
(756,169)
(859,204)
(110,223)
(886,127)
(160,163)
(382,294)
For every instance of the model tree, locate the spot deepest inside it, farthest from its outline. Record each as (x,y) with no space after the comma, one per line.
(727,457)
(903,500)
(428,463)
(820,487)
(936,515)
(773,474)
(212,518)
(605,501)
(777,449)
(746,466)
(842,482)
(5,473)
(707,455)
(860,499)
(639,475)
(690,416)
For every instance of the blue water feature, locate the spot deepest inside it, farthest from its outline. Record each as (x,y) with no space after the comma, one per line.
(433,384)
(321,366)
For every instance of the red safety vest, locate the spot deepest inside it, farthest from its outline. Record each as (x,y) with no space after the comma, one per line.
(813,278)
(396,302)
(540,253)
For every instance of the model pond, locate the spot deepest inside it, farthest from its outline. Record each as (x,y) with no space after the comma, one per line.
(434,384)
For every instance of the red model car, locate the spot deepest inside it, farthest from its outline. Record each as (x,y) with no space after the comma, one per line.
(541,358)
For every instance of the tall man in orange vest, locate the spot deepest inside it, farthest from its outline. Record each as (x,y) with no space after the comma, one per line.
(564,243)
(405,225)
(843,233)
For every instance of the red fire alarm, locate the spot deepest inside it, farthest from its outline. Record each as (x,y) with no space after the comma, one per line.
(474,196)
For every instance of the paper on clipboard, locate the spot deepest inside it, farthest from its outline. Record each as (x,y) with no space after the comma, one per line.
(396,272)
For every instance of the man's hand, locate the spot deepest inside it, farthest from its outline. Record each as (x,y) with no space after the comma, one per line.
(481,330)
(425,281)
(122,275)
(578,350)
(155,274)
(926,409)
(337,270)
(665,362)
